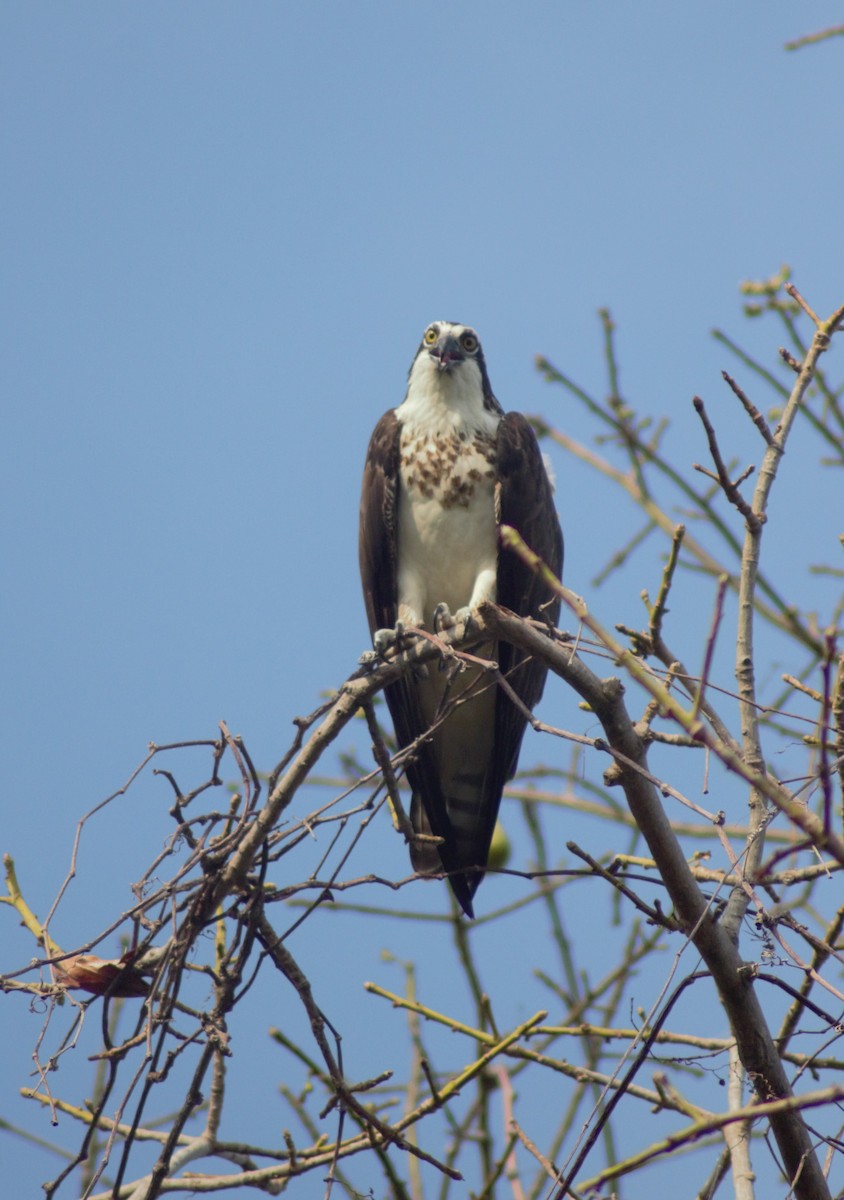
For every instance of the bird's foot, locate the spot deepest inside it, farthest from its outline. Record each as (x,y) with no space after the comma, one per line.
(388,639)
(464,616)
(444,618)
(396,640)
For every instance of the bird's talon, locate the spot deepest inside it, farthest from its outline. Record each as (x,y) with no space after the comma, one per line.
(442,618)
(385,640)
(463,616)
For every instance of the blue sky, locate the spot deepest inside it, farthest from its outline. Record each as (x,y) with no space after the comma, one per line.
(225,227)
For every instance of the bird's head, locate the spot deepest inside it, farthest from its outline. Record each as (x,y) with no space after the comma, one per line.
(449,345)
(451,355)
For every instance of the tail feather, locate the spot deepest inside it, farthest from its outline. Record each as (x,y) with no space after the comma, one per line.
(462,852)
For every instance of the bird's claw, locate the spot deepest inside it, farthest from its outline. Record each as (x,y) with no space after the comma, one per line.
(464,617)
(387,639)
(442,617)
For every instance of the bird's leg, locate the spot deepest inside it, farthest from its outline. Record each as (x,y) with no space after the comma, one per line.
(409,617)
(484,589)
(409,614)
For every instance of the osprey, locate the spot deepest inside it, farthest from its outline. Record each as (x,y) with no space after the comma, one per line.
(443,471)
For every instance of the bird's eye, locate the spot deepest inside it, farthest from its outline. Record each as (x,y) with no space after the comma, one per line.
(430,336)
(469,343)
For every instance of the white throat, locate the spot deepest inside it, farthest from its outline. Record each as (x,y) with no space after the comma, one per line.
(439,402)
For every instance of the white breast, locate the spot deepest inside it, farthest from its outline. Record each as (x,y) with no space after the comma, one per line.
(447,536)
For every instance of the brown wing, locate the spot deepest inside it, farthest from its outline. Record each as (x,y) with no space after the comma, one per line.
(378,538)
(526,502)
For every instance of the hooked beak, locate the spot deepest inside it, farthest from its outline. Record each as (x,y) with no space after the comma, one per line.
(446,353)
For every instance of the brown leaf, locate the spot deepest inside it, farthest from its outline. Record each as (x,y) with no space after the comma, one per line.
(101,975)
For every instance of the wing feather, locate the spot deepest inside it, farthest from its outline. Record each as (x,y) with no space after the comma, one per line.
(525,501)
(378,540)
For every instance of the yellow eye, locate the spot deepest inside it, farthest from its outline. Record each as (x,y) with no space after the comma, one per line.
(430,336)
(469,343)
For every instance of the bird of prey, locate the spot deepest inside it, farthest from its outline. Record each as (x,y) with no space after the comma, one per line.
(443,471)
